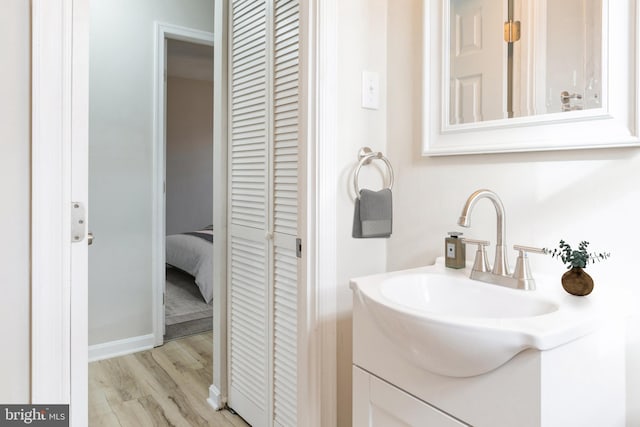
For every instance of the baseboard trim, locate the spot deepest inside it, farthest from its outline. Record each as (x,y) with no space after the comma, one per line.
(116,348)
(215,399)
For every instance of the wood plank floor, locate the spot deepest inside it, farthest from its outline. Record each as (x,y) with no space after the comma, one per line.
(165,386)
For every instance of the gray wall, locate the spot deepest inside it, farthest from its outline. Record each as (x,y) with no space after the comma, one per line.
(14,193)
(189,203)
(120,158)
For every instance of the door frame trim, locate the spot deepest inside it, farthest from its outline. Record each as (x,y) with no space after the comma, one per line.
(321,17)
(218,391)
(317,321)
(50,194)
(163,31)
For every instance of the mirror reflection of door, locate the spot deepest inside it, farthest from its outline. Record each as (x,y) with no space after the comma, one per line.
(573,72)
(478,61)
(552,65)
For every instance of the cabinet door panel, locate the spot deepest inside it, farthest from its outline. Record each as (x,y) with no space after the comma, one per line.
(380,404)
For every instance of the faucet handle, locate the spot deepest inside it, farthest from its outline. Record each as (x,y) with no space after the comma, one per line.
(480,264)
(524,249)
(522,272)
(480,243)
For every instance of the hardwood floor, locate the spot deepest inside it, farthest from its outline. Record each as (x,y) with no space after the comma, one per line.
(165,386)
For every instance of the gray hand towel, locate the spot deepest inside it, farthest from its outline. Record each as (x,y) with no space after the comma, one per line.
(373,214)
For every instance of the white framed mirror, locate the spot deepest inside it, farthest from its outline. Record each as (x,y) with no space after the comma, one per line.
(521,75)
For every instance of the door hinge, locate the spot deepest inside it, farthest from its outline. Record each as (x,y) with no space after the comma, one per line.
(511,31)
(78,222)
(299,247)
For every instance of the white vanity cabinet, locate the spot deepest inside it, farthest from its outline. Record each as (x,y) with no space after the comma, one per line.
(378,403)
(580,383)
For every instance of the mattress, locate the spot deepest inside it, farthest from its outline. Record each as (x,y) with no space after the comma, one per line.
(192,252)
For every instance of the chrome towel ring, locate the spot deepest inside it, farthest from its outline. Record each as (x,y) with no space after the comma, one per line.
(366,156)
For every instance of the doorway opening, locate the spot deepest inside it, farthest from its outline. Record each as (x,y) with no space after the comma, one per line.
(188,189)
(183,183)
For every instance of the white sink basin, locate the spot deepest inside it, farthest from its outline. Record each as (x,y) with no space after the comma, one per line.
(448,324)
(459,297)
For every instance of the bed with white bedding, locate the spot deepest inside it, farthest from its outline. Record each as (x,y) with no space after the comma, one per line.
(192,252)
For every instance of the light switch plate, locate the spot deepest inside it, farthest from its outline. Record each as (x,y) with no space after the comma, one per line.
(370,90)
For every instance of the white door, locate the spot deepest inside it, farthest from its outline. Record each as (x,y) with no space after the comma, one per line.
(59,204)
(80,192)
(263,210)
(248,342)
(478,61)
(287,211)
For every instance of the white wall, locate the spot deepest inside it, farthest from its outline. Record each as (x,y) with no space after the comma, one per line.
(120,159)
(189,159)
(574,195)
(362,46)
(15,147)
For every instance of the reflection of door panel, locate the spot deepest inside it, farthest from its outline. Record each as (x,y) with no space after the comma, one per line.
(573,65)
(478,61)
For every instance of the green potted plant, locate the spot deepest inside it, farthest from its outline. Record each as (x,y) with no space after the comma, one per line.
(576,281)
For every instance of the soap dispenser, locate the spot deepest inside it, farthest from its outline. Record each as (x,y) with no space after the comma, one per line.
(454,250)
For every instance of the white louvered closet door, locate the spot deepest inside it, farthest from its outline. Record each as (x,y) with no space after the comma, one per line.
(286,91)
(263,210)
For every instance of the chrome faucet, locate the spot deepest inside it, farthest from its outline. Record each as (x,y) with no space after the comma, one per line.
(499,274)
(500,266)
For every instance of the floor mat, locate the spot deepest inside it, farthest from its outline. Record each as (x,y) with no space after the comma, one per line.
(186,313)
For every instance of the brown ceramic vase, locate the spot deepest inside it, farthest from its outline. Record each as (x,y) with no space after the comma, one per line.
(577,282)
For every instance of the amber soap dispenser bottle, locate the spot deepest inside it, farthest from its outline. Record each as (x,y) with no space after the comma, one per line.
(454,254)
